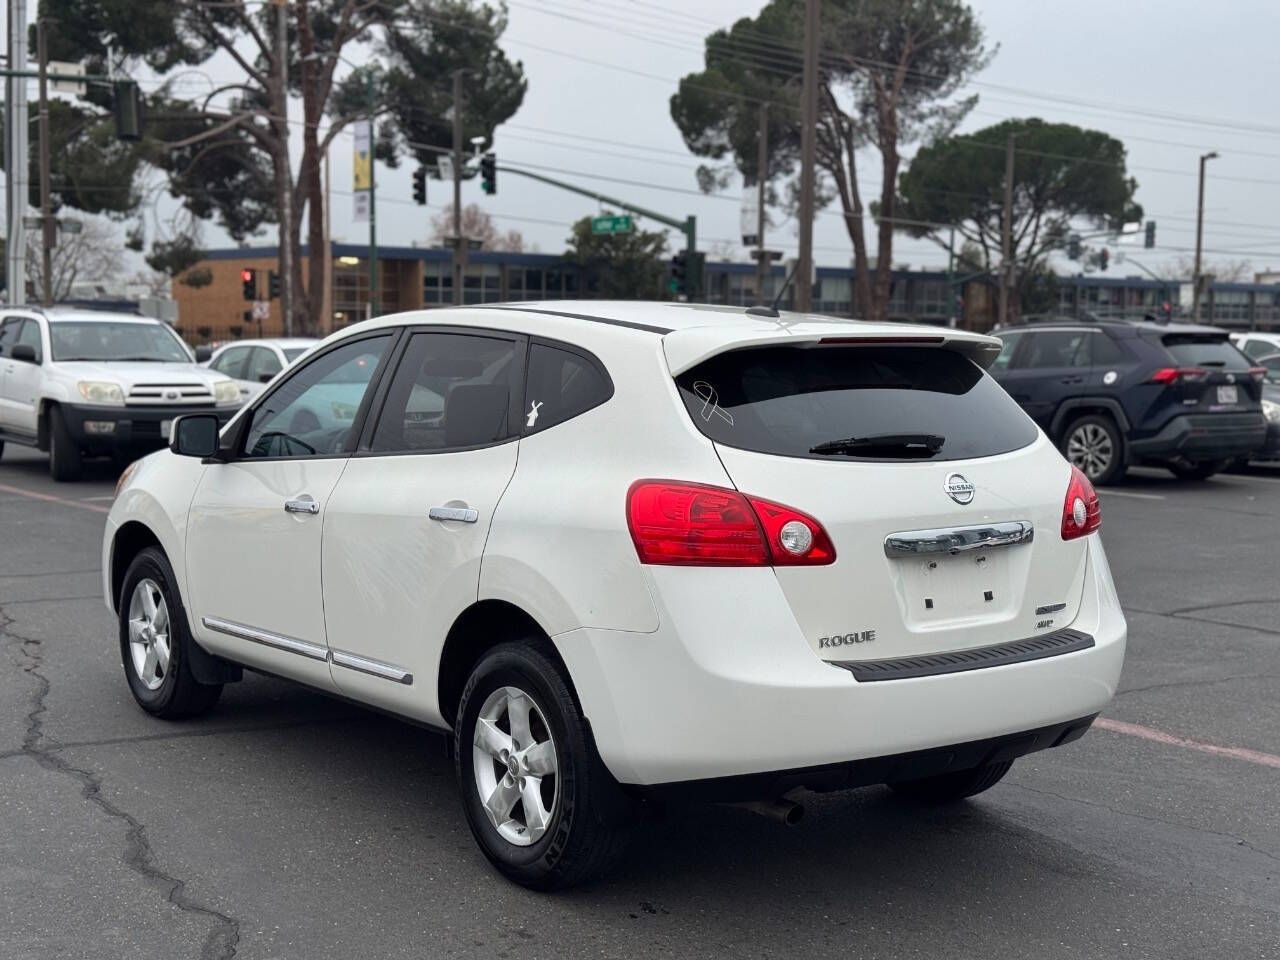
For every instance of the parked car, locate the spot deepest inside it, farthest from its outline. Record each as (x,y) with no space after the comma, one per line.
(80,383)
(1256,344)
(1113,393)
(623,552)
(1270,452)
(253,363)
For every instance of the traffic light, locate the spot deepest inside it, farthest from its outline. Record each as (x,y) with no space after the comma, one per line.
(273,285)
(1073,247)
(1104,259)
(128,110)
(680,273)
(489,173)
(1150,240)
(420,186)
(249,283)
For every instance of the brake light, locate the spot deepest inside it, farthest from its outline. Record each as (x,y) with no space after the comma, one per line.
(693,524)
(1081,513)
(882,340)
(1174,374)
(1258,373)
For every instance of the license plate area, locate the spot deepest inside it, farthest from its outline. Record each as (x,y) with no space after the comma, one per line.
(950,590)
(1229,395)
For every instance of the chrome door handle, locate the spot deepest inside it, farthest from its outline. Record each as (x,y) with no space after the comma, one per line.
(955,540)
(460,514)
(303,505)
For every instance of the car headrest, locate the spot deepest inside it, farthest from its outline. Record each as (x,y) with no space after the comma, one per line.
(475,413)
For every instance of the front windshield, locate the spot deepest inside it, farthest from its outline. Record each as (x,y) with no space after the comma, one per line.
(104,340)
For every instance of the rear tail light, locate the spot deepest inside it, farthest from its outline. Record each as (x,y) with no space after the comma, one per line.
(1258,373)
(1081,514)
(692,524)
(1174,374)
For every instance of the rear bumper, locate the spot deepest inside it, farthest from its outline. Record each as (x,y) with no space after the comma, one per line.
(1271,446)
(1204,437)
(742,695)
(132,428)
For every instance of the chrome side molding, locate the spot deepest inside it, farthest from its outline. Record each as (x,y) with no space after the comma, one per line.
(278,641)
(376,668)
(953,540)
(266,638)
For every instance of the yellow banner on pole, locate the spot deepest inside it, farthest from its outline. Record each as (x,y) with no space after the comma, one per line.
(362,166)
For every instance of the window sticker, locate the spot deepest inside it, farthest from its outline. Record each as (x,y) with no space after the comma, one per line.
(533,413)
(711,402)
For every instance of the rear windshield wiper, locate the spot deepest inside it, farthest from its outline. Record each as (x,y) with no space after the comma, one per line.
(918,444)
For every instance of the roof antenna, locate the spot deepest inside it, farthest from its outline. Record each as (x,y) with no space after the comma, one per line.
(772,309)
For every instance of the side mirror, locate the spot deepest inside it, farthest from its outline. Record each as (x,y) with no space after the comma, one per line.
(23,352)
(203,353)
(195,435)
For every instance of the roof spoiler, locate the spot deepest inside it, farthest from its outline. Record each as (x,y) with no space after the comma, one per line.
(687,348)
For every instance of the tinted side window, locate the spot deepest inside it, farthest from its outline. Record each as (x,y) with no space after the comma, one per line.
(9,334)
(1106,352)
(263,365)
(312,412)
(231,362)
(1055,348)
(855,403)
(1011,341)
(29,333)
(450,391)
(561,385)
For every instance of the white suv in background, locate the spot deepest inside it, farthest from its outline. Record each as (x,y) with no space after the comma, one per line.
(625,553)
(82,383)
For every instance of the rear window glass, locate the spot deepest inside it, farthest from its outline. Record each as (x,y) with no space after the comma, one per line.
(860,403)
(1201,350)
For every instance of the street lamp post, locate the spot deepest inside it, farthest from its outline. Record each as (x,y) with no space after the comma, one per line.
(1196,281)
(371,104)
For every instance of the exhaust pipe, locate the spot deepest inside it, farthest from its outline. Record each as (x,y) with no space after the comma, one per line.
(785,811)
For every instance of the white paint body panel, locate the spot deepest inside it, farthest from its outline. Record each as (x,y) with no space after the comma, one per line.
(670,664)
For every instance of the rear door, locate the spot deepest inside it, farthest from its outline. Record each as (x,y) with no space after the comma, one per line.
(1047,367)
(935,450)
(405,528)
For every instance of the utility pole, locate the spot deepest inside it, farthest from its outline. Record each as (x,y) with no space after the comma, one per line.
(808,138)
(1006,234)
(1197,280)
(762,164)
(459,242)
(48,228)
(17,154)
(285,182)
(371,105)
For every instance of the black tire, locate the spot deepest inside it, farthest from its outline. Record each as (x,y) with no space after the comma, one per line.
(590,822)
(1091,457)
(64,453)
(1196,469)
(178,695)
(950,787)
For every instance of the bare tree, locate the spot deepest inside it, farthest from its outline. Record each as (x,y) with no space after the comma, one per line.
(476,224)
(1226,271)
(94,255)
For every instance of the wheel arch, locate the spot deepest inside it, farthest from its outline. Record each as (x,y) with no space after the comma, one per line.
(478,629)
(131,539)
(1084,406)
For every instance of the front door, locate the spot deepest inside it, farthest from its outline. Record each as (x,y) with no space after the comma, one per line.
(253,533)
(20,380)
(405,529)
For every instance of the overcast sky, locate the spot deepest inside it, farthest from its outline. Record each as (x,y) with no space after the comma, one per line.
(1170,78)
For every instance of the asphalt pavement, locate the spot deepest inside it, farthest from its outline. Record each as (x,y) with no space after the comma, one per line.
(288,825)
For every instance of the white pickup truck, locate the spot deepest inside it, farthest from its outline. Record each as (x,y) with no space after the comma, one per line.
(81,383)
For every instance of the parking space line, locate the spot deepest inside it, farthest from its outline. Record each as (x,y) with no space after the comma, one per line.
(1126,493)
(1246,478)
(1169,739)
(50,498)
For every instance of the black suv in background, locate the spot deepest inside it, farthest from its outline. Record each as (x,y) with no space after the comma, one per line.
(1113,393)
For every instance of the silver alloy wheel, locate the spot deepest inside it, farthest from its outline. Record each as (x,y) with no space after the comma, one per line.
(516,766)
(1090,448)
(149,647)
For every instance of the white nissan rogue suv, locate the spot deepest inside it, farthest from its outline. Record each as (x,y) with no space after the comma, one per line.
(626,553)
